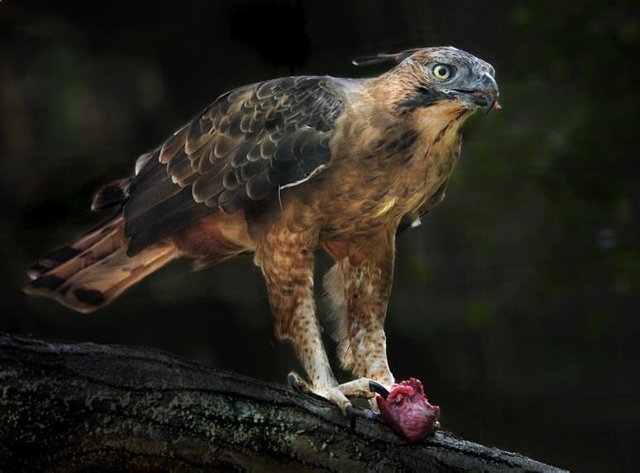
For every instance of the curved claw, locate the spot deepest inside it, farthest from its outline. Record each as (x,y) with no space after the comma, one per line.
(350,411)
(297,383)
(378,388)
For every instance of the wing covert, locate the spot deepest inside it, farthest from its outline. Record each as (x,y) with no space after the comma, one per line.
(244,147)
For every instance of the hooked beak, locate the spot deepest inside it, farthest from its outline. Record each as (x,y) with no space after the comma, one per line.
(484,93)
(491,94)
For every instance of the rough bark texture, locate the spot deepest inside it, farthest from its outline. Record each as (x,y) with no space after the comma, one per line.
(95,407)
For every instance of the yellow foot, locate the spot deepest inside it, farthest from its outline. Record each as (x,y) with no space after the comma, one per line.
(330,393)
(364,388)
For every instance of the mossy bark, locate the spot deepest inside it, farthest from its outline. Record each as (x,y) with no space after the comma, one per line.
(87,406)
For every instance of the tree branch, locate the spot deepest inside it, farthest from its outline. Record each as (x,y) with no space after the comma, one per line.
(78,407)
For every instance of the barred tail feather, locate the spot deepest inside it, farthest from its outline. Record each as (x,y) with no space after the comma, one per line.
(94,270)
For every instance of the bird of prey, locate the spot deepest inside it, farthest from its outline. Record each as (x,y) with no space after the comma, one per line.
(280,169)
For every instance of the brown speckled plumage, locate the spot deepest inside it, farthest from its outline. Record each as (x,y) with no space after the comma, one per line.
(280,169)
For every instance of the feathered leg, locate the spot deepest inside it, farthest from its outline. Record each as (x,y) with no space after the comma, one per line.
(287,262)
(358,287)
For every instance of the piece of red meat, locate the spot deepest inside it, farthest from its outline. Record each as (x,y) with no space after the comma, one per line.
(408,411)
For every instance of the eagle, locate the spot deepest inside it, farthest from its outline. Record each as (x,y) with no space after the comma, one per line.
(280,169)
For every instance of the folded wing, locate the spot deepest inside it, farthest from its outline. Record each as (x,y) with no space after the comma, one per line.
(247,145)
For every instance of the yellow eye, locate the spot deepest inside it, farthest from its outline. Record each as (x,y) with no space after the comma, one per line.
(441,71)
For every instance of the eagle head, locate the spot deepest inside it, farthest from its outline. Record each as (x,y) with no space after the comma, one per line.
(429,76)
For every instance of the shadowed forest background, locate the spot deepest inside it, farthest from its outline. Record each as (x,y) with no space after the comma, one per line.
(517,302)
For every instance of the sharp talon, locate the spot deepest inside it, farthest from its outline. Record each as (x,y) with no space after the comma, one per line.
(297,383)
(292,380)
(351,414)
(378,388)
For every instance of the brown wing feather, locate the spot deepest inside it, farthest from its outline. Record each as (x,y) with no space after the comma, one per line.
(249,143)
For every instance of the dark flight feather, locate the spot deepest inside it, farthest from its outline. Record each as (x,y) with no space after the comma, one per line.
(163,220)
(111,195)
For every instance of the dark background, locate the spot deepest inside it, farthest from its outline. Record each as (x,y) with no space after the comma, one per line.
(516,302)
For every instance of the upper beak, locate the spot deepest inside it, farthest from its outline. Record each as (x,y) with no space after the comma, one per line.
(488,93)
(484,93)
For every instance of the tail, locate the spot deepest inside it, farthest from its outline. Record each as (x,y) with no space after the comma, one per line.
(94,270)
